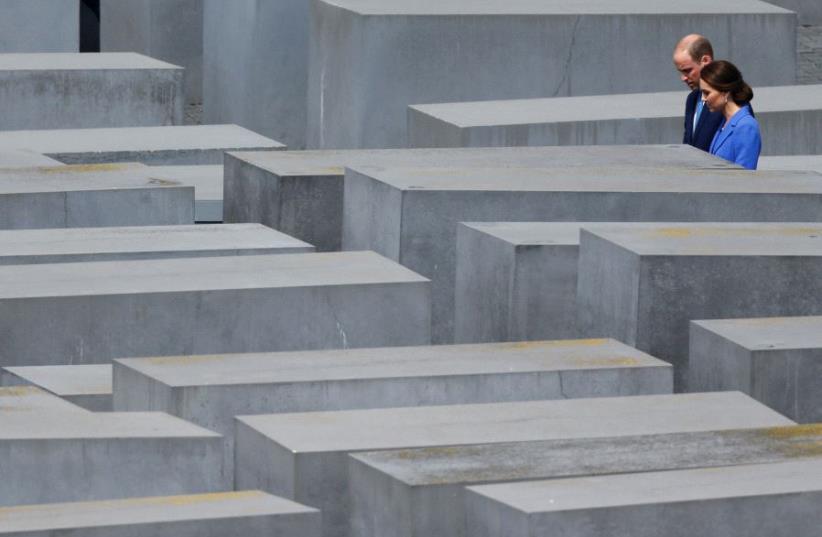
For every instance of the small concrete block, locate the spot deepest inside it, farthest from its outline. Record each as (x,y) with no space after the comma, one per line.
(87,386)
(642,284)
(789,117)
(73,245)
(222,514)
(39,26)
(303,456)
(189,144)
(411,214)
(17,399)
(365,55)
(208,188)
(760,500)
(301,193)
(776,360)
(424,488)
(74,91)
(94,312)
(91,196)
(19,158)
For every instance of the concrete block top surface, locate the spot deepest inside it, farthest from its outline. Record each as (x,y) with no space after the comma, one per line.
(17,158)
(201,274)
(535,233)
(595,179)
(647,488)
(392,362)
(607,107)
(590,456)
(68,380)
(165,138)
(555,7)
(207,180)
(98,425)
(769,333)
(510,422)
(719,239)
(203,237)
(334,162)
(79,177)
(195,507)
(792,162)
(68,61)
(15,400)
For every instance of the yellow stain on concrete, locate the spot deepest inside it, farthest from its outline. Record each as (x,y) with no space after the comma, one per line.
(554,343)
(606,361)
(19,391)
(183,360)
(85,168)
(679,232)
(794,431)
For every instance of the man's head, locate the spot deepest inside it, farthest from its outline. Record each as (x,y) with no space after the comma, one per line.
(691,54)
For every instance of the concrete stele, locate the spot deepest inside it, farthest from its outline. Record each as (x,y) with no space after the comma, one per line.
(16,400)
(87,386)
(207,181)
(39,26)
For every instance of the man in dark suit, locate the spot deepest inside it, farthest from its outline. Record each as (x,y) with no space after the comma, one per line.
(691,54)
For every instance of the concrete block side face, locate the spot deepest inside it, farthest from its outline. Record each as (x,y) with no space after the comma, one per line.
(133,391)
(809,11)
(425,130)
(262,464)
(125,26)
(372,216)
(791,133)
(789,382)
(617,382)
(177,38)
(379,505)
(312,210)
(322,482)
(250,194)
(40,26)
(485,517)
(130,207)
(717,364)
(33,211)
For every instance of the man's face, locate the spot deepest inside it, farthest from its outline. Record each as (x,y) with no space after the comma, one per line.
(689,68)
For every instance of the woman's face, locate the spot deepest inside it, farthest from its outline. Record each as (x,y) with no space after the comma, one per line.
(714,99)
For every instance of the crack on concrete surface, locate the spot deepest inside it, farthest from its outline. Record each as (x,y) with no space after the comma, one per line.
(568,57)
(562,386)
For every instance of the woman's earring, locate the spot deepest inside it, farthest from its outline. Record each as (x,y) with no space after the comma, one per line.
(726,98)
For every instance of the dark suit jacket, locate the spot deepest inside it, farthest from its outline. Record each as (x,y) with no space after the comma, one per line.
(707,126)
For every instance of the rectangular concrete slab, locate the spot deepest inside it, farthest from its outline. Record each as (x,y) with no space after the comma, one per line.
(222,514)
(788,117)
(99,195)
(776,360)
(792,162)
(39,26)
(411,214)
(364,55)
(74,91)
(301,192)
(759,500)
(19,158)
(424,488)
(642,284)
(87,386)
(303,456)
(208,305)
(190,144)
(36,246)
(208,188)
(18,399)
(105,455)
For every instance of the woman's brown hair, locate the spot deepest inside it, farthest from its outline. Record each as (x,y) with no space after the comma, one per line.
(725,77)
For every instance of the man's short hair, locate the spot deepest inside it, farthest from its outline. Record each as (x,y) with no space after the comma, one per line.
(700,47)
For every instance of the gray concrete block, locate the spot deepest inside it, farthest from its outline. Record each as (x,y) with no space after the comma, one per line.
(18,158)
(191,144)
(789,117)
(303,456)
(809,11)
(642,284)
(301,192)
(94,312)
(776,360)
(87,386)
(22,400)
(792,162)
(39,26)
(759,500)
(75,245)
(74,91)
(98,195)
(169,30)
(78,456)
(365,55)
(208,188)
(420,492)
(411,214)
(224,514)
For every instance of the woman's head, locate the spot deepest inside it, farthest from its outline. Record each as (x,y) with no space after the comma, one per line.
(720,82)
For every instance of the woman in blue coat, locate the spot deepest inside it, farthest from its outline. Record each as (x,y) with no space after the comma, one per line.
(724,90)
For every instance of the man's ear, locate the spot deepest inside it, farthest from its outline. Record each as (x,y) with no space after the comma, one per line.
(705,60)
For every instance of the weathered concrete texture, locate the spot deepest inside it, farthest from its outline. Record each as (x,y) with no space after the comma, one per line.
(195,144)
(365,55)
(642,284)
(255,66)
(223,514)
(411,214)
(211,390)
(760,500)
(208,188)
(303,456)
(91,196)
(39,26)
(19,158)
(87,386)
(30,400)
(793,162)
(169,30)
(776,360)
(93,312)
(22,247)
(301,193)
(421,492)
(73,91)
(77,456)
(809,11)
(789,117)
